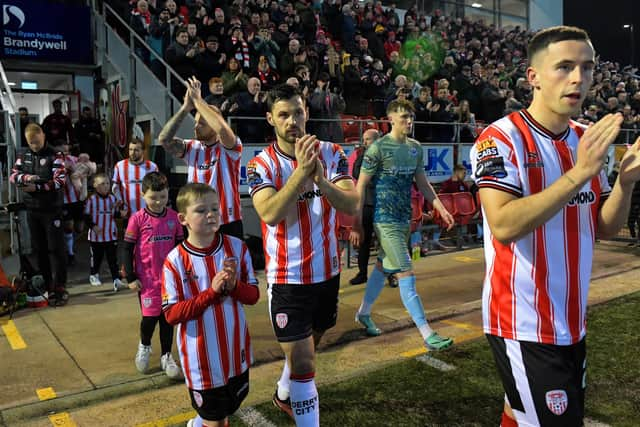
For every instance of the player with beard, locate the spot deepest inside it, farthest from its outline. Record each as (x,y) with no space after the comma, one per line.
(545,199)
(213,158)
(128,175)
(297,184)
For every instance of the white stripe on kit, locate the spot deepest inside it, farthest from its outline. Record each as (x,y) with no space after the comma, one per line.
(435,363)
(252,417)
(519,373)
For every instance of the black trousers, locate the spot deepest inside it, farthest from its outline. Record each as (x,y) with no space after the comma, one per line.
(98,250)
(365,245)
(48,247)
(148,325)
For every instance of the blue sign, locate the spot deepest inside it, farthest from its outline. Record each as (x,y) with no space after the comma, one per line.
(438,162)
(39,31)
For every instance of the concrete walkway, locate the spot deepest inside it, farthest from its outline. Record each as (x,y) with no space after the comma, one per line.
(83,353)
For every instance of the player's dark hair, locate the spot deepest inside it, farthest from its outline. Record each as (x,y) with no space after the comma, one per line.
(154,181)
(282,92)
(400,104)
(542,39)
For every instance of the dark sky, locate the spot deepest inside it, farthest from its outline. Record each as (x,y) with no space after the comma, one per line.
(603,21)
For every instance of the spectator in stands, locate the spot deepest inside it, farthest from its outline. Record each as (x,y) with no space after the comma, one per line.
(303,74)
(466,132)
(364,245)
(57,127)
(294,56)
(140,21)
(354,87)
(325,104)
(88,132)
(456,183)
(268,76)
(159,38)
(263,45)
(219,28)
(251,103)
(493,100)
(211,62)
(442,111)
(181,57)
(236,47)
(613,106)
(216,93)
(378,81)
(422,104)
(234,79)
(391,44)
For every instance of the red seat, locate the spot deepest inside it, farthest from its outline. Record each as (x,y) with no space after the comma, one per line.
(345,225)
(465,207)
(384,125)
(370,123)
(350,127)
(447,201)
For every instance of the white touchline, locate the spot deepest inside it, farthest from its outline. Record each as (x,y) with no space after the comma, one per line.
(435,363)
(252,417)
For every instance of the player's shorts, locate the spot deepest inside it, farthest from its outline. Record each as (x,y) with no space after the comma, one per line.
(544,383)
(73,211)
(394,249)
(298,310)
(215,404)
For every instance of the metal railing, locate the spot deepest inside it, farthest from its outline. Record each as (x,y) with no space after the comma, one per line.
(149,89)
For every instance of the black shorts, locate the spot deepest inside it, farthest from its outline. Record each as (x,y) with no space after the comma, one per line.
(215,404)
(299,310)
(544,383)
(73,211)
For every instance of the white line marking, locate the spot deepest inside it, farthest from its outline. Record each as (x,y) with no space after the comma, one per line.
(252,417)
(435,363)
(588,422)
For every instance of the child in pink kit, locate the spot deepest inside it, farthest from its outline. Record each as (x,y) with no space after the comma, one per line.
(151,234)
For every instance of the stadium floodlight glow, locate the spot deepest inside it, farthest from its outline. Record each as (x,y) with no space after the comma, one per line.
(626,26)
(11,83)
(476,5)
(29,85)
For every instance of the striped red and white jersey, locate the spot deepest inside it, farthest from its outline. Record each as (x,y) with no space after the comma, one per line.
(535,289)
(70,194)
(102,211)
(214,346)
(218,167)
(303,247)
(127,183)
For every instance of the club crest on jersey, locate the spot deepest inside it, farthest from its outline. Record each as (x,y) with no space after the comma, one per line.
(281,320)
(533,161)
(146,302)
(43,162)
(171,223)
(189,276)
(557,401)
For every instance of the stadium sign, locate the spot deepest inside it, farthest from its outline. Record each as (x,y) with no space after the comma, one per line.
(49,32)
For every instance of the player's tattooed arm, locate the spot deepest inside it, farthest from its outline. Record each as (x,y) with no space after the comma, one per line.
(174,146)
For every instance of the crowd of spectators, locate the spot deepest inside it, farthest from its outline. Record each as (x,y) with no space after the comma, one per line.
(353,58)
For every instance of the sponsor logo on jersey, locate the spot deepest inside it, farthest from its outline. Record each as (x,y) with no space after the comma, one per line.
(492,166)
(311,194)
(583,198)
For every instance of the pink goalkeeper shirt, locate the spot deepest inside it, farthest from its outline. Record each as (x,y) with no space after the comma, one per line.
(154,235)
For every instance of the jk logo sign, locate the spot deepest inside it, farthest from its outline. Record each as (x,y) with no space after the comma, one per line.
(438,162)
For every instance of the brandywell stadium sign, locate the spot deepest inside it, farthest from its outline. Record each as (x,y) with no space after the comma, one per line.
(41,31)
